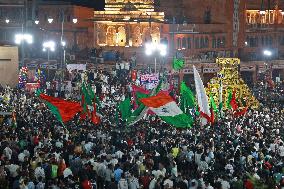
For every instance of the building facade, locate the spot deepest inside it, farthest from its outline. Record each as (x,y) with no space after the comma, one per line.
(198,31)
(127,23)
(46,20)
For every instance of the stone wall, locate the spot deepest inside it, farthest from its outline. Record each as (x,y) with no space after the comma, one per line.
(9,64)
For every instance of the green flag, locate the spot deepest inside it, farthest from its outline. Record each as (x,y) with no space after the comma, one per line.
(125,108)
(88,94)
(213,104)
(187,98)
(230,96)
(178,64)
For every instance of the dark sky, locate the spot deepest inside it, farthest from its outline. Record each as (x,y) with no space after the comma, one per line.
(97,4)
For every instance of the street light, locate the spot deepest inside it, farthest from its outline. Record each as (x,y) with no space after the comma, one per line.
(7,21)
(267,53)
(63,44)
(19,38)
(75,20)
(50,20)
(150,48)
(48,46)
(36,22)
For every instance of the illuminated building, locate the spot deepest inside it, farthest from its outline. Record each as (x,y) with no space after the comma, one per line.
(127,23)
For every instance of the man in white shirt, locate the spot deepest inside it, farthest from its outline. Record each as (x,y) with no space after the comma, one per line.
(153,182)
(8,152)
(67,172)
(39,172)
(281,150)
(168,183)
(119,154)
(13,169)
(133,182)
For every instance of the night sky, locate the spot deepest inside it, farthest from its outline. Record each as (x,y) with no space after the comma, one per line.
(97,4)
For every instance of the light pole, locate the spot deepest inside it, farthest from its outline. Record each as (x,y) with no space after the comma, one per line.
(63,44)
(151,48)
(268,69)
(48,46)
(22,38)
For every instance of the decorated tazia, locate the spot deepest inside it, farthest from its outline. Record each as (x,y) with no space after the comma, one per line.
(23,77)
(228,90)
(39,76)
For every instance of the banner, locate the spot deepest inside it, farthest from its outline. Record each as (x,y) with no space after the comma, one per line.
(248,68)
(211,70)
(190,70)
(48,66)
(149,80)
(31,87)
(71,67)
(278,66)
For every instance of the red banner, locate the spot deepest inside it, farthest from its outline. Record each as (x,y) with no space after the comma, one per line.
(31,87)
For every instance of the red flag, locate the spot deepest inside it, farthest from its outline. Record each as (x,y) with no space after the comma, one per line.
(241,112)
(233,101)
(212,118)
(95,118)
(63,109)
(133,75)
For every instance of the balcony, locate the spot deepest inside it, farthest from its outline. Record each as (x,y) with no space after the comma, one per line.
(197,28)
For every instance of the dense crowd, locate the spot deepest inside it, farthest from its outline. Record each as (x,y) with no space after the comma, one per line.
(234,153)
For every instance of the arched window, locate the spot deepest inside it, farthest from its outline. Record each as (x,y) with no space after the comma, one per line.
(214,42)
(218,42)
(206,42)
(256,41)
(223,42)
(201,42)
(155,35)
(111,36)
(121,36)
(183,42)
(196,41)
(262,40)
(266,40)
(270,40)
(189,43)
(178,43)
(251,42)
(282,41)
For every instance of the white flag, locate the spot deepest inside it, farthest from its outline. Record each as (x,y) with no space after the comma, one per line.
(201,98)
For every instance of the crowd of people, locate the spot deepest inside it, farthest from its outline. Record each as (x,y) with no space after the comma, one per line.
(38,152)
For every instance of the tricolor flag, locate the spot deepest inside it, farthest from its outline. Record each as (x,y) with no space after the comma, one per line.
(166,108)
(221,99)
(202,98)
